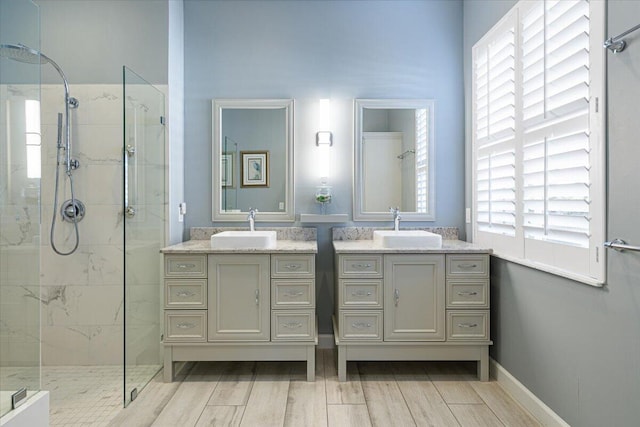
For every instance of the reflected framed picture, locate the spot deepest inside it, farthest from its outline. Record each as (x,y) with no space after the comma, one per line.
(226,167)
(254,168)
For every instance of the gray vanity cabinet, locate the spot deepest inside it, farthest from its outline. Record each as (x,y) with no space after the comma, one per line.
(414,297)
(412,305)
(239,308)
(239,305)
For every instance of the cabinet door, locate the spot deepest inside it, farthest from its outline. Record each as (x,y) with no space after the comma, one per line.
(414,297)
(239,297)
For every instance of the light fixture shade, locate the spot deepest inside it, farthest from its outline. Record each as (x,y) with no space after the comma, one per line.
(324,138)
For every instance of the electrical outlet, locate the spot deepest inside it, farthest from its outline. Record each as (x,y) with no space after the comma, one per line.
(467,215)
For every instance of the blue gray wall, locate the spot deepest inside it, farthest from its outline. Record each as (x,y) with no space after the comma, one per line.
(92,40)
(309,50)
(576,347)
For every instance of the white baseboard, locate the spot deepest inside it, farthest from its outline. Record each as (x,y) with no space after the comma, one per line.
(525,397)
(326,341)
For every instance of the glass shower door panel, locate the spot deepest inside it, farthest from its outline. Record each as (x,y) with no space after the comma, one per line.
(19,207)
(144,205)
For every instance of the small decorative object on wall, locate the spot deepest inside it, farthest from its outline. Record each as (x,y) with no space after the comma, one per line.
(227,165)
(255,168)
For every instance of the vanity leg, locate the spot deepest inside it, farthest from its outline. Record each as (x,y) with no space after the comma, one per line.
(342,363)
(311,363)
(168,364)
(483,364)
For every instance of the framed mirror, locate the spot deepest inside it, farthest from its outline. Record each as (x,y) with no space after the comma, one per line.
(252,155)
(394,159)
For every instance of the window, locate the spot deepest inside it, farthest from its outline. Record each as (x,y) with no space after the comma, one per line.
(538,137)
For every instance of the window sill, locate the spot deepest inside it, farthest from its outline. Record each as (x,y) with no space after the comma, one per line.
(553,270)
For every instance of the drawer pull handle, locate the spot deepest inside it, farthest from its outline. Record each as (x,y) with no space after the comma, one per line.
(467,293)
(185,325)
(293,266)
(361,325)
(183,266)
(396,296)
(361,294)
(185,294)
(361,266)
(467,266)
(293,294)
(292,325)
(467,325)
(257,296)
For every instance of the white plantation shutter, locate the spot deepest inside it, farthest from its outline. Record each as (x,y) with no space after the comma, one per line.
(494,119)
(556,148)
(556,163)
(422,165)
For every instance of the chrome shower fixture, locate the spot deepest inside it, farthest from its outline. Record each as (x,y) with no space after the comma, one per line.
(71,209)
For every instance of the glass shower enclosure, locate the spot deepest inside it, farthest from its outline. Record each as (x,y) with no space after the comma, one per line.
(144,207)
(20,366)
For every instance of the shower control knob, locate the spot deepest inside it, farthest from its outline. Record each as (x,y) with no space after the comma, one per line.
(74,164)
(130,212)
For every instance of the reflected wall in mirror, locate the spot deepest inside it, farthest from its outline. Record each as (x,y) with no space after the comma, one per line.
(252,133)
(394,159)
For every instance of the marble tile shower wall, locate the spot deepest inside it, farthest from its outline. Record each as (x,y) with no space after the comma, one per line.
(82,295)
(19,214)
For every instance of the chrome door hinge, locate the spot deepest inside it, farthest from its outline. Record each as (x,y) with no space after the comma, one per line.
(597,104)
(162,120)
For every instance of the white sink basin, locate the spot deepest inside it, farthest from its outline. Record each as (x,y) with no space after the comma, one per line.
(406,239)
(244,240)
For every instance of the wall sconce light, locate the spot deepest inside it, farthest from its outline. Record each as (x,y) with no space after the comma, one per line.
(324,136)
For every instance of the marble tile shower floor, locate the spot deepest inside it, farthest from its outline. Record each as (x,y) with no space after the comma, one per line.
(83,395)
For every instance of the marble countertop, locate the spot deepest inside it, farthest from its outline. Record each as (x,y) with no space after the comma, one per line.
(204,247)
(448,247)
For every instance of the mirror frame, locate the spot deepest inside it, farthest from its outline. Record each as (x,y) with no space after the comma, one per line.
(358,184)
(217,106)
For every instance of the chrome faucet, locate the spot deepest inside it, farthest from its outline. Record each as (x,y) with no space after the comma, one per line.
(396,218)
(252,218)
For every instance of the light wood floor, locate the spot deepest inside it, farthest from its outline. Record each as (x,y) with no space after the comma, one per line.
(277,394)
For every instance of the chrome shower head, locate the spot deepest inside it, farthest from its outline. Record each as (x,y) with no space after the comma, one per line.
(27,55)
(22,53)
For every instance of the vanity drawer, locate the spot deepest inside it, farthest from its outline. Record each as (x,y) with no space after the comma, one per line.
(297,266)
(468,265)
(360,293)
(468,293)
(185,293)
(185,326)
(361,325)
(360,265)
(290,325)
(467,325)
(293,293)
(185,266)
